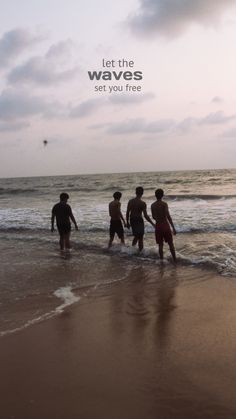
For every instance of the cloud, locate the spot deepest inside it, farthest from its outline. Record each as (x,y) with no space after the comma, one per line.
(13,126)
(229,134)
(87,107)
(90,106)
(216,118)
(171,18)
(17,104)
(217,99)
(126,99)
(61,51)
(13,43)
(187,124)
(47,69)
(139,125)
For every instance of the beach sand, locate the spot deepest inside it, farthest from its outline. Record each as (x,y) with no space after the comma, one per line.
(132,350)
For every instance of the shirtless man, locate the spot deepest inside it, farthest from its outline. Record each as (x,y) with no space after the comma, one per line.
(135,209)
(116,217)
(161,215)
(63,214)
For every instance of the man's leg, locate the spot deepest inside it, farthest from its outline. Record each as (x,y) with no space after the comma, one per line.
(135,241)
(61,241)
(140,243)
(161,250)
(172,251)
(67,240)
(111,239)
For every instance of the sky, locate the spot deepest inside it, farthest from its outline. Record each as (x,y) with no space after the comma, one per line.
(180,115)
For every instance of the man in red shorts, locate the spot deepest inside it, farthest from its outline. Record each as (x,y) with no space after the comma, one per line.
(161,215)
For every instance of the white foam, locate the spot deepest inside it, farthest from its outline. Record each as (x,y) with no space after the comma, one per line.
(67,296)
(63,293)
(39,319)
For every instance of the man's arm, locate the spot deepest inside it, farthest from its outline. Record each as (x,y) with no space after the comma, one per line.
(109,209)
(170,219)
(121,216)
(73,220)
(146,216)
(153,212)
(128,214)
(52,222)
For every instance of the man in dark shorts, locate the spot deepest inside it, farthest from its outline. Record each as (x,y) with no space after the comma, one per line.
(161,215)
(115,213)
(135,209)
(63,214)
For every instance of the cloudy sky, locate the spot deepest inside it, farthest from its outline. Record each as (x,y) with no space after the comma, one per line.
(182,117)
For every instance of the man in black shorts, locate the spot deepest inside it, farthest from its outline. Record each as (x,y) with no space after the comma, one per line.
(115,213)
(63,214)
(136,207)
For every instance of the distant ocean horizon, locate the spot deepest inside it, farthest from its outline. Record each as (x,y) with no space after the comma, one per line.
(116,173)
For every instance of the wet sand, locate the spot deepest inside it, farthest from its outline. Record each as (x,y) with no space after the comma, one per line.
(133,350)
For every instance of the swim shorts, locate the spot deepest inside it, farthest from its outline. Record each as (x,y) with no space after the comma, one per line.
(116,227)
(163,232)
(137,225)
(64,228)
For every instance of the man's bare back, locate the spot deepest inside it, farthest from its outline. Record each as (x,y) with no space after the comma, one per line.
(136,207)
(160,211)
(135,210)
(114,210)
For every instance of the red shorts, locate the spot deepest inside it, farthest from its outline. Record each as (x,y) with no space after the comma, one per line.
(163,232)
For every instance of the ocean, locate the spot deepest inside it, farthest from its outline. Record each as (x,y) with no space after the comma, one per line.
(37,281)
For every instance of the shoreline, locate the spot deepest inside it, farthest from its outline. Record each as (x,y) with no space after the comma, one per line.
(134,350)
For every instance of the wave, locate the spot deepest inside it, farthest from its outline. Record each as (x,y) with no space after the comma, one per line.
(227,228)
(42,190)
(10,191)
(206,197)
(218,258)
(224,268)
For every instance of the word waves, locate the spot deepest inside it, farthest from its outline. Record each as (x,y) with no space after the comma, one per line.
(113,75)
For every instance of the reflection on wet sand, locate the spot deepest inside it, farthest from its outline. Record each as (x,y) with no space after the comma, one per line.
(142,308)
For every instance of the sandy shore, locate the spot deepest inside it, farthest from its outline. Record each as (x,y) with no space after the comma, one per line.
(132,351)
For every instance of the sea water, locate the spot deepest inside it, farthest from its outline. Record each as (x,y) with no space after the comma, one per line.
(37,281)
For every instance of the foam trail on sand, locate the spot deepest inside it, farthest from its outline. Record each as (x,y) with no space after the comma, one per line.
(68,297)
(63,293)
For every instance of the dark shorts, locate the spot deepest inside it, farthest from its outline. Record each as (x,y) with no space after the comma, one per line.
(116,227)
(64,228)
(137,226)
(163,232)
